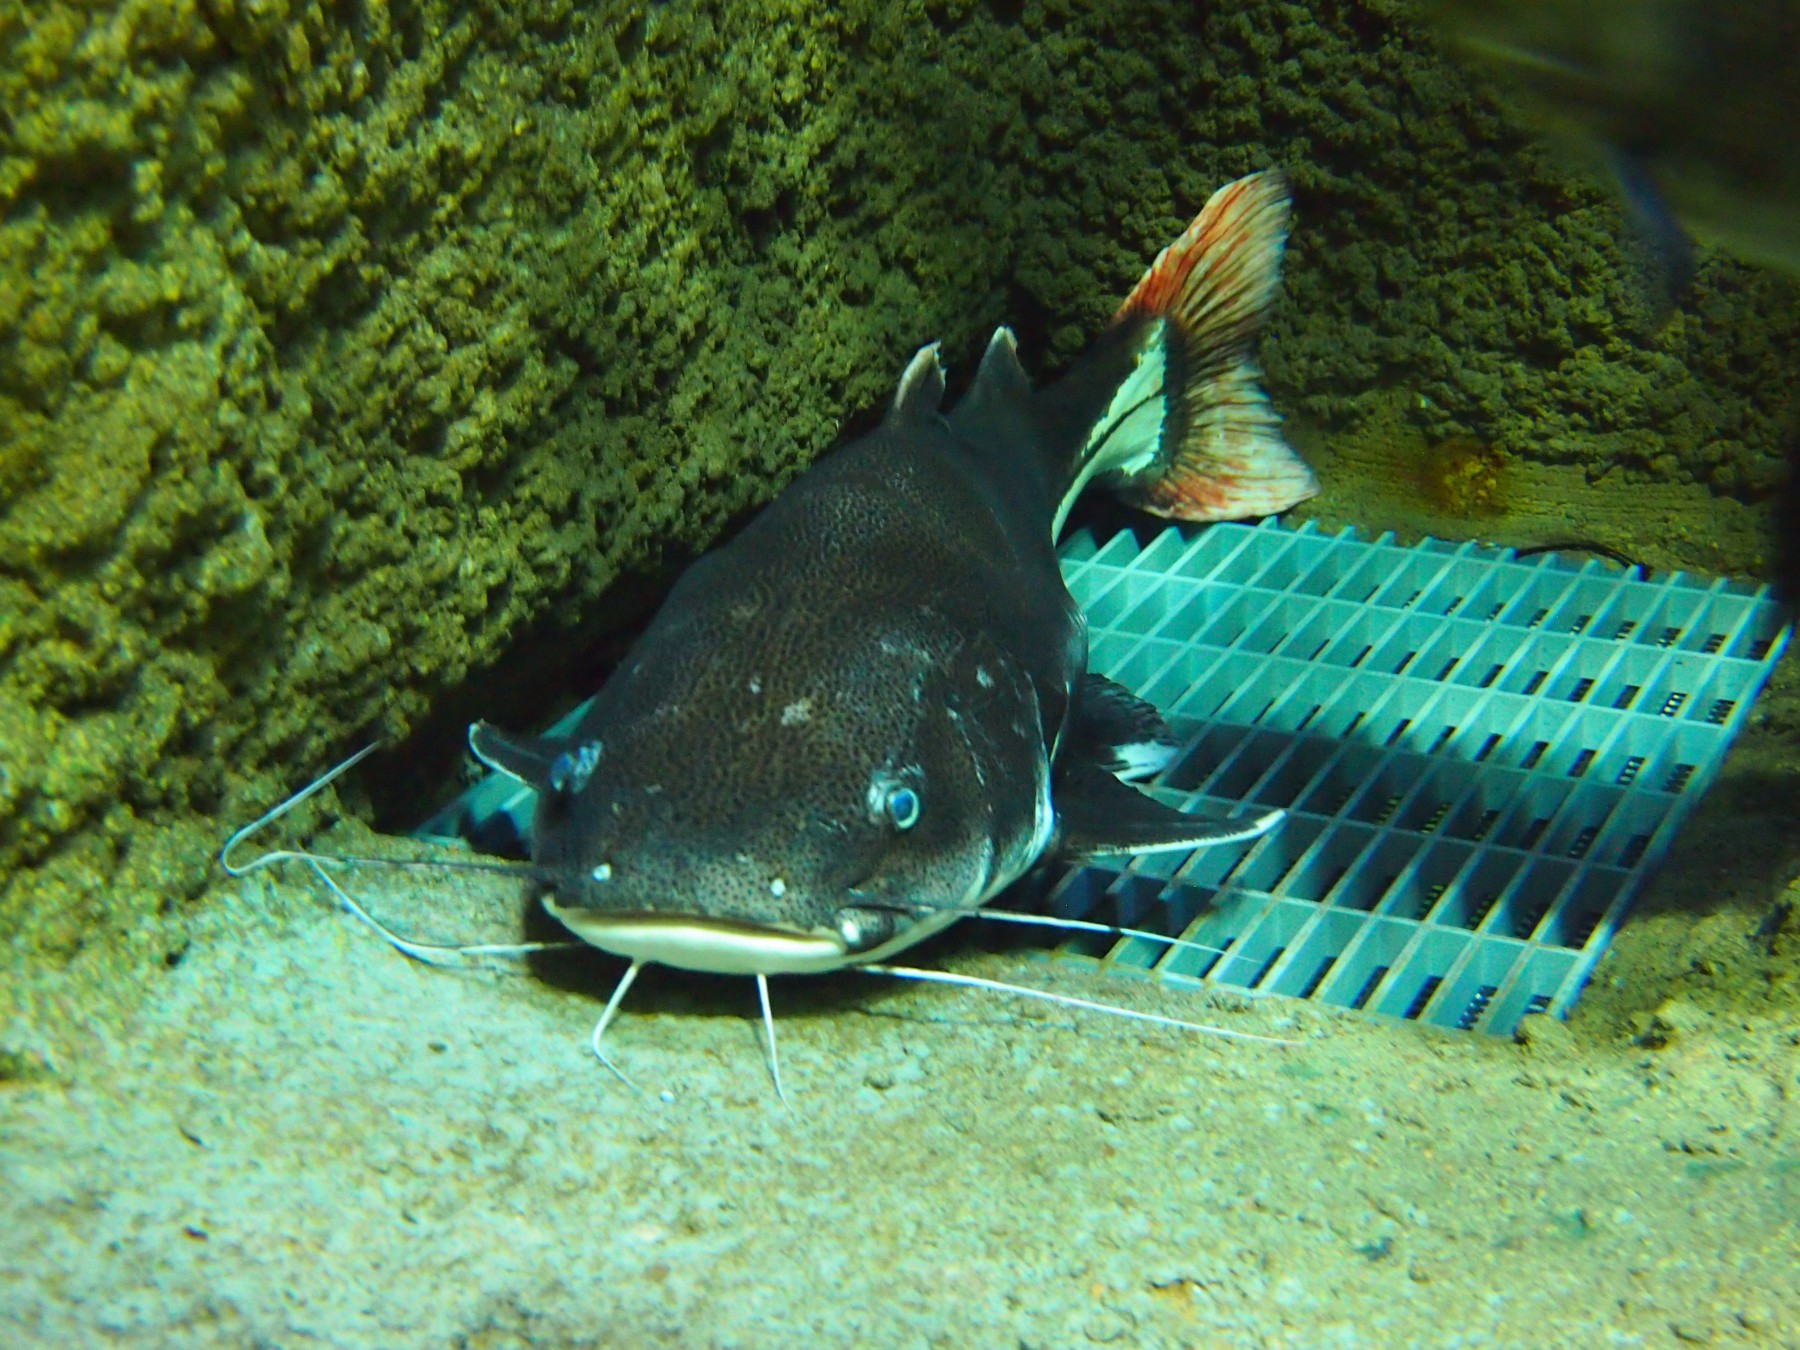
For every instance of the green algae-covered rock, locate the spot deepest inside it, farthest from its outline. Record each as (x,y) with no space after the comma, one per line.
(341,342)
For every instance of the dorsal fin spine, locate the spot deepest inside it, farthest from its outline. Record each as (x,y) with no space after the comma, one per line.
(921,389)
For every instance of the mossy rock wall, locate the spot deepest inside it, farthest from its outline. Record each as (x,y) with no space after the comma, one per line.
(340,342)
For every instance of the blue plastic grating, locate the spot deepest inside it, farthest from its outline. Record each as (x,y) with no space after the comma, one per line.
(1482,758)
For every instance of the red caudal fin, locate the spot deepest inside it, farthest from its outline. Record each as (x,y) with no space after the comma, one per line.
(1190,433)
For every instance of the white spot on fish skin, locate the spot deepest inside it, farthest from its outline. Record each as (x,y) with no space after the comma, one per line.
(982,678)
(778,888)
(603,872)
(796,712)
(756,684)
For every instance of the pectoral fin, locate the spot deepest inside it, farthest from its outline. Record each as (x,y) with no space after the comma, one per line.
(1097,815)
(1117,731)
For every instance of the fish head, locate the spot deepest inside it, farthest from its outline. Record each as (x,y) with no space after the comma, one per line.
(757,807)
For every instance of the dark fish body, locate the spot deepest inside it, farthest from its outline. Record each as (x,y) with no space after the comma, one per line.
(870,712)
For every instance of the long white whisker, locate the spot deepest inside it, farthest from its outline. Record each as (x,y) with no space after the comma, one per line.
(1067,1000)
(276,812)
(1090,926)
(503,866)
(430,953)
(612,1006)
(1068,925)
(762,989)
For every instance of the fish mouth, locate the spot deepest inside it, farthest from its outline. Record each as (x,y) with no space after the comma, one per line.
(710,945)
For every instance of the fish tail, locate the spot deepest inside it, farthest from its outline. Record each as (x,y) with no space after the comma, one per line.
(1188,431)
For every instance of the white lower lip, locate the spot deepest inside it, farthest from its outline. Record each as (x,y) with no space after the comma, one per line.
(704,945)
(730,949)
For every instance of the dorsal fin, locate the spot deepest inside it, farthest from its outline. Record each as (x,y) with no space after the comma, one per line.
(1002,390)
(524,759)
(921,387)
(999,404)
(1000,377)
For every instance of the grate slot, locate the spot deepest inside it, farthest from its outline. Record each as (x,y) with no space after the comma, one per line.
(1265,939)
(1367,991)
(1420,999)
(1476,980)
(1472,1010)
(1308,989)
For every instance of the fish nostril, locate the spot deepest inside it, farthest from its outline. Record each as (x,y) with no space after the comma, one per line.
(570,771)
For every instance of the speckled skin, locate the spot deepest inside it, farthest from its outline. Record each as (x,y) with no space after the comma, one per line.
(895,618)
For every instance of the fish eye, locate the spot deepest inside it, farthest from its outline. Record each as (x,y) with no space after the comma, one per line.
(903,807)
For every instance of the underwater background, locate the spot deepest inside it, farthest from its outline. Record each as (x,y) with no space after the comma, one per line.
(366,366)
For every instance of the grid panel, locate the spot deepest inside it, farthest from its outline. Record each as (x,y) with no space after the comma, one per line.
(1482,758)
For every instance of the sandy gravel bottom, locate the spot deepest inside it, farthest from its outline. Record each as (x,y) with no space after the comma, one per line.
(306,1139)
